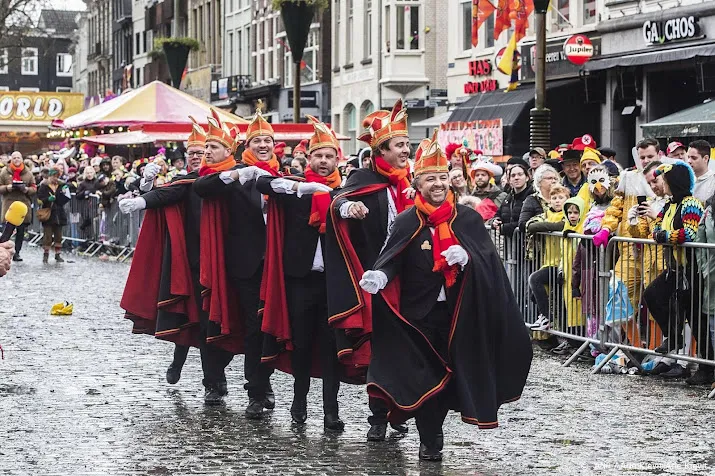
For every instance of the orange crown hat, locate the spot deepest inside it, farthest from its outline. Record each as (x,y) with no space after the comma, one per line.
(384,125)
(197,136)
(225,134)
(301,147)
(258,125)
(322,137)
(424,145)
(433,159)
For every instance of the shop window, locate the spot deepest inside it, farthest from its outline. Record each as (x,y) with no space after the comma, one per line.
(589,12)
(3,61)
(29,61)
(407,24)
(64,65)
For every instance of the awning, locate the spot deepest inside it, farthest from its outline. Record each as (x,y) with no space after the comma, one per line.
(656,56)
(434,121)
(692,122)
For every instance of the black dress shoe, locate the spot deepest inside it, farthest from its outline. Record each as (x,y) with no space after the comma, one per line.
(663,348)
(333,422)
(17,258)
(377,432)
(676,371)
(173,374)
(270,401)
(439,441)
(212,397)
(254,410)
(222,388)
(399,427)
(430,454)
(704,376)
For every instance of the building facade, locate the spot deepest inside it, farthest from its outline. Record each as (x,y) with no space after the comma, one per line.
(383,51)
(205,24)
(99,58)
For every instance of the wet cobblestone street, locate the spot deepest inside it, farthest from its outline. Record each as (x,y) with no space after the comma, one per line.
(82,395)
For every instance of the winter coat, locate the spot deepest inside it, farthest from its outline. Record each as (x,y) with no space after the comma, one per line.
(17,195)
(58,215)
(87,187)
(706,260)
(511,209)
(534,205)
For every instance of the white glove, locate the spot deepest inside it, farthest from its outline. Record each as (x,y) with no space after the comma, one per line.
(306,188)
(633,215)
(151,171)
(250,173)
(130,205)
(146,185)
(455,254)
(373,281)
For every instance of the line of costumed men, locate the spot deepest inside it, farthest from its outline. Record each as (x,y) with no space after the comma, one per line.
(360,284)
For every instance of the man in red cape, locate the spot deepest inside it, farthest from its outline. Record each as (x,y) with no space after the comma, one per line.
(295,320)
(447,331)
(163,295)
(357,226)
(240,220)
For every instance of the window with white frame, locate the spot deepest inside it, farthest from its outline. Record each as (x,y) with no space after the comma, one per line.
(336,34)
(563,13)
(489,31)
(349,33)
(64,65)
(309,65)
(367,40)
(230,54)
(589,12)
(466,25)
(4,59)
(407,25)
(29,61)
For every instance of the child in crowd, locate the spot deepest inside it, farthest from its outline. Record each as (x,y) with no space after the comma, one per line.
(549,221)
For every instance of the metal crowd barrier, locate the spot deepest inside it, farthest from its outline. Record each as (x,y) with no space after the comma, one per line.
(608,310)
(93,228)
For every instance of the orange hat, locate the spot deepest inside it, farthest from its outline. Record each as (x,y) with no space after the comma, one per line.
(258,126)
(433,159)
(301,147)
(225,134)
(424,145)
(384,125)
(197,136)
(323,136)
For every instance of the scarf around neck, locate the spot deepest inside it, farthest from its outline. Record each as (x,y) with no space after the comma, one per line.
(439,218)
(321,200)
(271,166)
(398,178)
(17,172)
(206,169)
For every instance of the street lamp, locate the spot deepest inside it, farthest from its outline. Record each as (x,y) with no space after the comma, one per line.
(297,17)
(540,116)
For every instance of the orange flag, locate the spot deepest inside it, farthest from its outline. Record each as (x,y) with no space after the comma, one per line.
(481,10)
(502,22)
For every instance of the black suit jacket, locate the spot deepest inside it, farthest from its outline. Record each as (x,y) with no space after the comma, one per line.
(246,240)
(300,238)
(180,190)
(368,235)
(420,286)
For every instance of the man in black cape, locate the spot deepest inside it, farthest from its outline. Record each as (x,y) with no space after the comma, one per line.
(447,331)
(163,292)
(357,226)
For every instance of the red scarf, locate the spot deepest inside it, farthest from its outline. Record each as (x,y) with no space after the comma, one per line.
(443,238)
(271,166)
(206,169)
(17,172)
(398,178)
(321,200)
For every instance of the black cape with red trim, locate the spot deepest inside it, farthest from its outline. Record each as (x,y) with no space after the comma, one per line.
(351,246)
(159,296)
(489,348)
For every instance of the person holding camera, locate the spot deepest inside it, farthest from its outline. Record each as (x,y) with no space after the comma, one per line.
(17,184)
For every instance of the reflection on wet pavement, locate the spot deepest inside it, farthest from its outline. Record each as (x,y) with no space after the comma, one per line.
(81,395)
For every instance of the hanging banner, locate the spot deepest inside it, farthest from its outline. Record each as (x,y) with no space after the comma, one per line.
(486,135)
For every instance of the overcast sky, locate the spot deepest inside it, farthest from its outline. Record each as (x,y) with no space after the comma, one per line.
(68,4)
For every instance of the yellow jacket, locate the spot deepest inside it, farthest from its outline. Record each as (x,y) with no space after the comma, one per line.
(631,185)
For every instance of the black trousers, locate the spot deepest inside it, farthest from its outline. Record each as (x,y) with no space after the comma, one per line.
(670,306)
(256,374)
(19,237)
(308,305)
(430,416)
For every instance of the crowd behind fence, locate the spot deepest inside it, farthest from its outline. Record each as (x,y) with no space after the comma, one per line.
(93,228)
(604,313)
